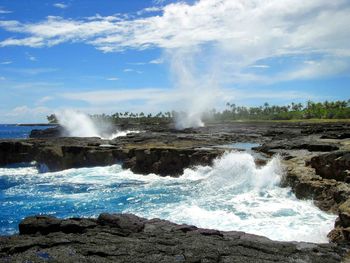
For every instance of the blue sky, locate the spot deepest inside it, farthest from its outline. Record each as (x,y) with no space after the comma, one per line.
(108,56)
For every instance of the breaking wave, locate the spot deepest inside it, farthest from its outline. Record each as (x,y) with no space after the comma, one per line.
(233,194)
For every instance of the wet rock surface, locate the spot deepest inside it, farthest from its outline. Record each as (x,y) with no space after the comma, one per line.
(128,238)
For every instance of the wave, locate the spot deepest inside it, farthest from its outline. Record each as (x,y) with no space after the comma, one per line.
(233,194)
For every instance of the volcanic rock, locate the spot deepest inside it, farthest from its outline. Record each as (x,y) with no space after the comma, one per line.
(128,238)
(334,165)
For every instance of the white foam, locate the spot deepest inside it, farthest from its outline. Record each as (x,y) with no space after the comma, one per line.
(233,194)
(119,134)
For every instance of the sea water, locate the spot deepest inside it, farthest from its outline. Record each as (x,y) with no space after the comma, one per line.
(13,131)
(233,194)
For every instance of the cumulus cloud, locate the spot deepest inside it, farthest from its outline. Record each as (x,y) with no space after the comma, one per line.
(252,28)
(248,31)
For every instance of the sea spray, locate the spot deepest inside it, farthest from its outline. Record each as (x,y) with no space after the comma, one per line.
(237,172)
(233,194)
(79,124)
(196,85)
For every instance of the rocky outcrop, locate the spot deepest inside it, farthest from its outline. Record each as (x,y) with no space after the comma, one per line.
(56,154)
(52,132)
(15,152)
(327,194)
(128,238)
(169,161)
(334,165)
(296,144)
(324,179)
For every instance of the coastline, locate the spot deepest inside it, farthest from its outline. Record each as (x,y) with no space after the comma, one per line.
(305,149)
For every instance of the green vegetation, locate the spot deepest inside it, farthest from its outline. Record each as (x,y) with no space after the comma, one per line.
(293,111)
(310,111)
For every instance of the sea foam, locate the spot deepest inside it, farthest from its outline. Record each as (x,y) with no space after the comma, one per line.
(233,194)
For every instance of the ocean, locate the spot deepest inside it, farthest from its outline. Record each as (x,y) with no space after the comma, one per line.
(13,131)
(233,194)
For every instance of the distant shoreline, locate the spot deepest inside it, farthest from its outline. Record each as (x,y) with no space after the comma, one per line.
(34,124)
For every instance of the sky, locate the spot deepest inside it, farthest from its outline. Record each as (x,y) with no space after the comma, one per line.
(158,55)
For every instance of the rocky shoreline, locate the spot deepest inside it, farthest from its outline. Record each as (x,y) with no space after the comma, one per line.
(128,238)
(317,161)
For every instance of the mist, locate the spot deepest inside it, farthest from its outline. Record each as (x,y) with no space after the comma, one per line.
(196,77)
(79,124)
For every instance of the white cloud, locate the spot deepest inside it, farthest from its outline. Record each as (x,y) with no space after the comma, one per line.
(8,62)
(246,32)
(159,1)
(30,57)
(274,26)
(45,99)
(260,66)
(137,63)
(4,11)
(113,78)
(169,99)
(60,5)
(319,69)
(157,61)
(32,71)
(25,110)
(132,70)
(122,95)
(150,10)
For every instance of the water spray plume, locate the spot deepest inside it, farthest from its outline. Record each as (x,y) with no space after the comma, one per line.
(78,124)
(196,84)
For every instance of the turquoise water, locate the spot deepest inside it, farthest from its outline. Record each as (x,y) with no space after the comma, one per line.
(11,131)
(234,194)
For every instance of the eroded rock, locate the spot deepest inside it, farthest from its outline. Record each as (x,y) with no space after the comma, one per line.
(334,165)
(128,238)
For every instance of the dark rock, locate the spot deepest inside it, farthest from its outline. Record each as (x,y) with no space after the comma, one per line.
(127,238)
(339,136)
(76,225)
(57,131)
(127,222)
(316,147)
(39,224)
(296,144)
(15,152)
(166,162)
(335,165)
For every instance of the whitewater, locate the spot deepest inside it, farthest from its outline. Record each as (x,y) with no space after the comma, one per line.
(79,124)
(233,194)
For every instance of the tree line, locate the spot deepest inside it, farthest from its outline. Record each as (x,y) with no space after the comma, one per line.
(309,110)
(294,111)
